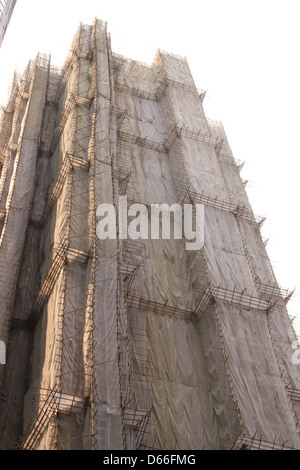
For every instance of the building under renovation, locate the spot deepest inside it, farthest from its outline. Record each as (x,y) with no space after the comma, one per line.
(123,343)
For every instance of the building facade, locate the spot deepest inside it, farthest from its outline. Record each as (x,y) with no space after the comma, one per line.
(132,343)
(6,11)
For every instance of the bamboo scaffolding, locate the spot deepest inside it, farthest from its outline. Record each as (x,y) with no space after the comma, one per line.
(54,402)
(80,147)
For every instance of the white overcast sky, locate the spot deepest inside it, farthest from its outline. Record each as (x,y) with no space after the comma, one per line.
(244,53)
